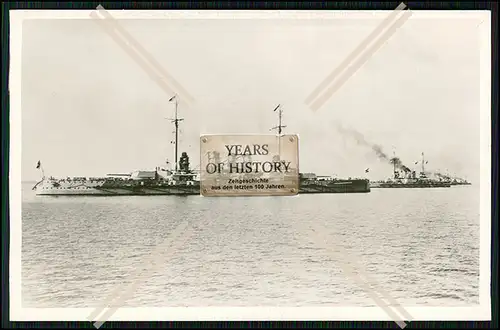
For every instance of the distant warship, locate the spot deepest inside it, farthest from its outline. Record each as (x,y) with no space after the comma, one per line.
(182,180)
(454,181)
(403,177)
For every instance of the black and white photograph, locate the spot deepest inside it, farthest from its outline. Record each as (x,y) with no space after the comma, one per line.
(143,186)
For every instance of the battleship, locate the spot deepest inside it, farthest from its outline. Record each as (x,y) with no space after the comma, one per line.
(459,182)
(403,177)
(453,181)
(180,180)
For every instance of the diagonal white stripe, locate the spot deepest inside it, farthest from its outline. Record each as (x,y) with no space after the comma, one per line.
(139,54)
(180,235)
(351,70)
(355,273)
(356,52)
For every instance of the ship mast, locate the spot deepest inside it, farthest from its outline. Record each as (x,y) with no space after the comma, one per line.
(279,127)
(176,121)
(280,116)
(423,163)
(394,163)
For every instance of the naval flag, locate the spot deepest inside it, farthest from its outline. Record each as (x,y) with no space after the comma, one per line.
(38,164)
(172,98)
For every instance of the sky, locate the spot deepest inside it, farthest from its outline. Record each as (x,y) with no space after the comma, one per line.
(88,109)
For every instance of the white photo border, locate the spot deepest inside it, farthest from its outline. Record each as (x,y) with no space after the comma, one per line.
(480,312)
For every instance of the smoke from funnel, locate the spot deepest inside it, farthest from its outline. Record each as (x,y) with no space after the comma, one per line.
(399,165)
(377,149)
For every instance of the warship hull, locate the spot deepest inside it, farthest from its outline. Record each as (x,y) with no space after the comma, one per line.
(189,190)
(338,187)
(412,185)
(460,183)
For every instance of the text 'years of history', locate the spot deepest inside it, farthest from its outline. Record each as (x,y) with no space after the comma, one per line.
(251,166)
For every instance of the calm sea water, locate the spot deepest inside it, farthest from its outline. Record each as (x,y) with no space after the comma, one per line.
(421,245)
